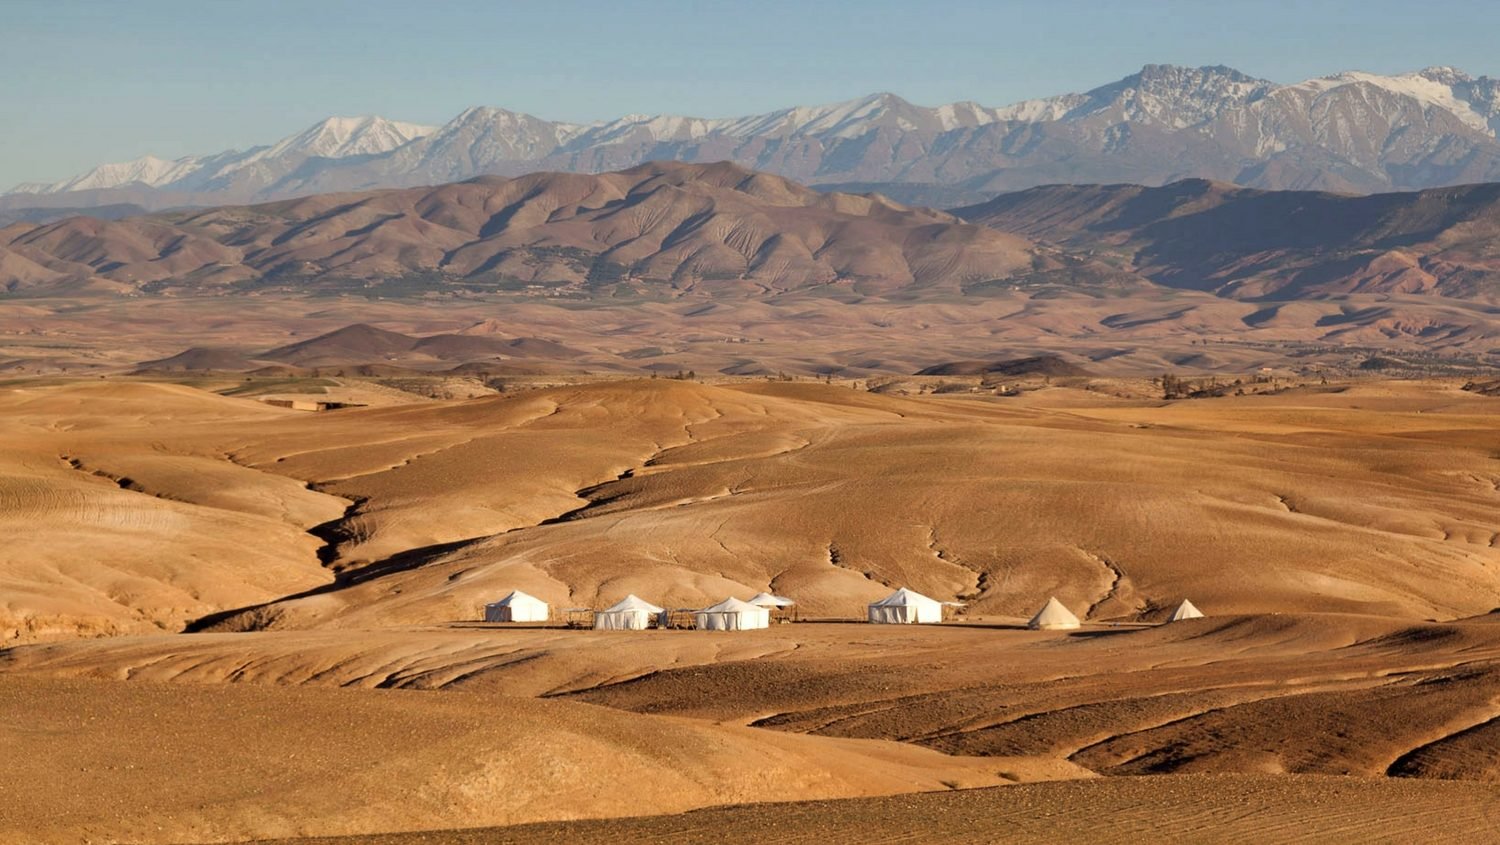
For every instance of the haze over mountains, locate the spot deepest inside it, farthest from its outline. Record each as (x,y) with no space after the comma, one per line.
(1351,132)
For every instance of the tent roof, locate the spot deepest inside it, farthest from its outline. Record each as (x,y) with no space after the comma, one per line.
(768,600)
(1186,610)
(732,605)
(902,598)
(1053,613)
(632,602)
(515,597)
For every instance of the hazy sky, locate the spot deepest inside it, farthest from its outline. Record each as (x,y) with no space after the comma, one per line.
(87,82)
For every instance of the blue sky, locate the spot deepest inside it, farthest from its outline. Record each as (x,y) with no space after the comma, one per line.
(86,82)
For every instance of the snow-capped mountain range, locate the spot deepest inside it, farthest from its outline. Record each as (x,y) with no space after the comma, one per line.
(1352,131)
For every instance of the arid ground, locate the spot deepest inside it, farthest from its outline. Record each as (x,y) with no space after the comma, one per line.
(224,620)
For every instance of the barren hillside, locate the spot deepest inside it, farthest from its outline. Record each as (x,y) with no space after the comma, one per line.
(655,227)
(1377,498)
(1272,245)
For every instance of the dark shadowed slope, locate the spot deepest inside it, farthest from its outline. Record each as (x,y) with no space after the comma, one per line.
(1272,244)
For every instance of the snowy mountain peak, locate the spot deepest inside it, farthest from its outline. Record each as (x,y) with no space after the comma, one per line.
(1180,74)
(489,119)
(1348,131)
(333,138)
(1178,97)
(1167,95)
(147,170)
(482,136)
(1472,101)
(1444,75)
(337,137)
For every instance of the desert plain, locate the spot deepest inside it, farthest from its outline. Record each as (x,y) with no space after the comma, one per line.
(225,620)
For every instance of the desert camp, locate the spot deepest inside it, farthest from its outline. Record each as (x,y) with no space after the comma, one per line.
(904,607)
(517,607)
(731,614)
(1185,610)
(468,423)
(628,614)
(1053,617)
(286,638)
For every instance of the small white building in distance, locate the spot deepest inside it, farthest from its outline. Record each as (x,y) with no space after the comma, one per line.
(732,614)
(1053,617)
(1186,610)
(905,606)
(629,614)
(516,607)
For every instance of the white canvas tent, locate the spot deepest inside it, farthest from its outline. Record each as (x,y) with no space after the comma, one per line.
(1053,617)
(516,607)
(731,614)
(904,606)
(1186,610)
(768,600)
(628,614)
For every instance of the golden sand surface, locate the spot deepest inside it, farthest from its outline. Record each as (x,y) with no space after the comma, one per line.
(1345,685)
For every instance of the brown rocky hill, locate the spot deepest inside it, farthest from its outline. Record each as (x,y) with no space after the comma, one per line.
(199,359)
(1036,365)
(362,342)
(1251,244)
(654,228)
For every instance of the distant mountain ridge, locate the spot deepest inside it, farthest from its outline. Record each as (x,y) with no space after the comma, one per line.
(719,232)
(1351,132)
(661,229)
(1249,244)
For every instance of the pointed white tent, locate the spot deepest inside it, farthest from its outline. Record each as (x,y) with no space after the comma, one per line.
(1053,617)
(768,600)
(905,606)
(516,607)
(1186,610)
(629,614)
(732,614)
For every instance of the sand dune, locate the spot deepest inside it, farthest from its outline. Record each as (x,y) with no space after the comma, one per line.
(413,759)
(1341,539)
(1213,808)
(1376,499)
(1315,694)
(804,490)
(121,518)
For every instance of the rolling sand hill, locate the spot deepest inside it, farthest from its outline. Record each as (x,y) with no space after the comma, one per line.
(1304,723)
(455,761)
(1345,685)
(1368,499)
(1179,809)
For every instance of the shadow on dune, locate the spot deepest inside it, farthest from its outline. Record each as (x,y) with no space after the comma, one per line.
(344,578)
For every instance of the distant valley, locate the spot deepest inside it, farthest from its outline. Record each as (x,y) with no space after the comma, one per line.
(718,269)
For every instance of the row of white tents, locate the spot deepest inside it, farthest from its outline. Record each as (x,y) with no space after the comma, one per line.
(901,607)
(633,613)
(1055,617)
(909,606)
